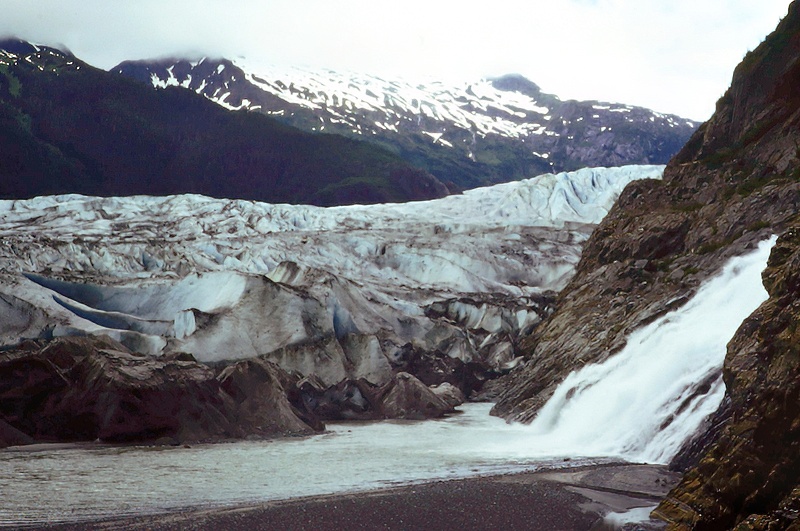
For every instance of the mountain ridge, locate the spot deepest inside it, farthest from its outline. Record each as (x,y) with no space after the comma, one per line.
(467,135)
(69,127)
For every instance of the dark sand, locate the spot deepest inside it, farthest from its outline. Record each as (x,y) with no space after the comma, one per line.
(570,499)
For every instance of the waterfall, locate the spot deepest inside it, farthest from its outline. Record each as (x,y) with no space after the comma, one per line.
(644,402)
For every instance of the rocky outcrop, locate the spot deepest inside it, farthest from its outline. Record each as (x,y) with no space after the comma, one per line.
(750,477)
(663,238)
(405,397)
(262,408)
(402,397)
(78,389)
(734,183)
(451,394)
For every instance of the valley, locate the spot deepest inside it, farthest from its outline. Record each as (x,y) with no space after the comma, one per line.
(355,282)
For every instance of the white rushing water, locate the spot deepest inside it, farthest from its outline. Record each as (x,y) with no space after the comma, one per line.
(643,403)
(640,405)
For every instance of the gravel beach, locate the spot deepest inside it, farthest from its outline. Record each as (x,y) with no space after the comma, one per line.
(568,499)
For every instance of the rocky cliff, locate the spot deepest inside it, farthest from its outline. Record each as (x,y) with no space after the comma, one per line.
(733,184)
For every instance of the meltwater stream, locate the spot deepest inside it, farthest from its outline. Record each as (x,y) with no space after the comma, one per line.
(643,403)
(68,484)
(639,405)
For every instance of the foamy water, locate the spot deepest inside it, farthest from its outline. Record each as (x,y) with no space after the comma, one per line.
(643,403)
(640,405)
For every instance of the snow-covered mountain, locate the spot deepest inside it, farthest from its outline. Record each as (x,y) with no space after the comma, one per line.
(339,292)
(470,134)
(67,127)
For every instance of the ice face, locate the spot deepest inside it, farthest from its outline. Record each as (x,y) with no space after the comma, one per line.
(228,279)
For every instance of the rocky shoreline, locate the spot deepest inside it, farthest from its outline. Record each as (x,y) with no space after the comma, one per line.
(563,499)
(94,388)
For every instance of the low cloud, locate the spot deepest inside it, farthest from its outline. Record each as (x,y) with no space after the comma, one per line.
(672,56)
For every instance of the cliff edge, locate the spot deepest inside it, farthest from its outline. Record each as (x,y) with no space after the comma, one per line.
(736,182)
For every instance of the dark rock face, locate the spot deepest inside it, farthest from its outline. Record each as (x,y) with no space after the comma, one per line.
(118,396)
(261,403)
(734,183)
(751,474)
(403,397)
(77,389)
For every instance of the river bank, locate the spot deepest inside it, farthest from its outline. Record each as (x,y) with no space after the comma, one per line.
(568,499)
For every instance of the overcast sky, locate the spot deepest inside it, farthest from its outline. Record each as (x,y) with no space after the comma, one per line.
(674,56)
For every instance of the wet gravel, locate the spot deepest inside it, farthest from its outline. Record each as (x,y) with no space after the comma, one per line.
(531,501)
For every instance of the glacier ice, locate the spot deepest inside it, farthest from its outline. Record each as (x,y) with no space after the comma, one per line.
(331,291)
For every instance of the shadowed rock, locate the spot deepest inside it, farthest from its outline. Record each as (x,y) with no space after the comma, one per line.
(405,397)
(87,388)
(261,405)
(11,436)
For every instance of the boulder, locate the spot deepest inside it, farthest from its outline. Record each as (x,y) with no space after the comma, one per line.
(405,397)
(89,388)
(261,404)
(448,392)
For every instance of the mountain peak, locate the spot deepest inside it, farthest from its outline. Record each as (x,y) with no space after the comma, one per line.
(18,46)
(518,83)
(468,134)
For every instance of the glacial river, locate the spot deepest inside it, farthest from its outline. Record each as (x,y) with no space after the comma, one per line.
(55,483)
(639,405)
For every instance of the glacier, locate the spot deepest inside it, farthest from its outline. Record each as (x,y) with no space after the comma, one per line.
(639,405)
(335,292)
